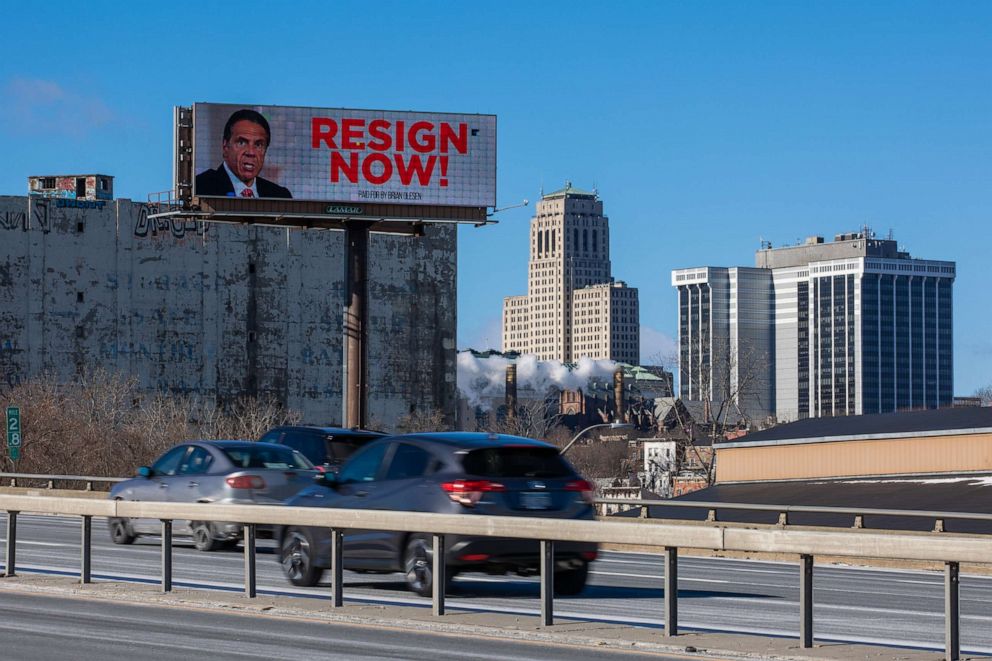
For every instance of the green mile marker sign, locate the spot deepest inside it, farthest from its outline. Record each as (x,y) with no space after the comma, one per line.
(14,432)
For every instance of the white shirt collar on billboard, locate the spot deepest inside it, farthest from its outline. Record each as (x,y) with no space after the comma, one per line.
(240,185)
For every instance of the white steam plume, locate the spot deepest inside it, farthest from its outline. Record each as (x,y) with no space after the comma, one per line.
(483,378)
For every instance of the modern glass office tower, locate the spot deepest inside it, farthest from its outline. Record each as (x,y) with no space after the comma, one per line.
(573,307)
(726,338)
(855,326)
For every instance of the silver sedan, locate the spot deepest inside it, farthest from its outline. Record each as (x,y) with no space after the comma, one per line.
(212,472)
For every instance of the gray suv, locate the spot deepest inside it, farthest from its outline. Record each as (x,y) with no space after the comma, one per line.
(325,447)
(448,473)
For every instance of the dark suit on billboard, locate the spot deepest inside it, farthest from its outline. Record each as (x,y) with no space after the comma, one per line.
(217,182)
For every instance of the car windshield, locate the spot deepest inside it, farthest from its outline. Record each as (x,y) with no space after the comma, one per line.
(516,462)
(260,456)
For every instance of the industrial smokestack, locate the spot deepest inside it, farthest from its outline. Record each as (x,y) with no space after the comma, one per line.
(619,414)
(511,390)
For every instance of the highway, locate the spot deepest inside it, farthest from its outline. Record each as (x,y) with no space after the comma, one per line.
(852,604)
(45,628)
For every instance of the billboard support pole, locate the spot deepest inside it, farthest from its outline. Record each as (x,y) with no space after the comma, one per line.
(355,326)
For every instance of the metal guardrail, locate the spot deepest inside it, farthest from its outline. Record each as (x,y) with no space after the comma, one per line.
(858,515)
(951,549)
(90,480)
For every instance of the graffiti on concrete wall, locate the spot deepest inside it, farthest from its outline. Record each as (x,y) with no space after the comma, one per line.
(39,217)
(178,227)
(12,220)
(18,220)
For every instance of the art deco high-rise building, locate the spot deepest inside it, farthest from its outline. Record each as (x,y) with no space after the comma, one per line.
(573,307)
(819,329)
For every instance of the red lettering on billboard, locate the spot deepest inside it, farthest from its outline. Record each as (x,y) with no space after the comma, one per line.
(422,137)
(379,130)
(339,166)
(370,175)
(352,132)
(355,135)
(322,130)
(449,138)
(414,166)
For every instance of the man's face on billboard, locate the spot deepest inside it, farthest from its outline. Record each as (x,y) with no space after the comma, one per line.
(244,153)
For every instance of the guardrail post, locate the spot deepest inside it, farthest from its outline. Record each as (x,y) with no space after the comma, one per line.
(952,634)
(547,582)
(437,575)
(89,485)
(86,547)
(11,566)
(671,591)
(711,516)
(166,555)
(51,484)
(859,521)
(938,525)
(337,570)
(806,602)
(783,518)
(249,542)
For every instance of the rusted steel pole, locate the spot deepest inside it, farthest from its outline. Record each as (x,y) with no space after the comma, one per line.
(356,249)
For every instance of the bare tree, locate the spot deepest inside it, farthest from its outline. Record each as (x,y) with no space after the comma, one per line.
(417,421)
(985,394)
(103,424)
(732,381)
(534,418)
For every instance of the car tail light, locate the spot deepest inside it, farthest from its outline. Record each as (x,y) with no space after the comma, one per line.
(246,482)
(590,555)
(469,492)
(583,487)
(474,557)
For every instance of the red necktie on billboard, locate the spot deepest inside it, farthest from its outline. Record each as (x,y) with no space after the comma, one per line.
(247,193)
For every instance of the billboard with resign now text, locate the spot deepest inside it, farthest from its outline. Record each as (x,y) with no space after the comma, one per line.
(344,155)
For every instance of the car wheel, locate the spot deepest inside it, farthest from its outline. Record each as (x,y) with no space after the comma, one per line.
(418,564)
(296,556)
(203,537)
(571,582)
(120,531)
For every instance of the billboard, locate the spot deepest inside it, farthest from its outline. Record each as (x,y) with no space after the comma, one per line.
(344,155)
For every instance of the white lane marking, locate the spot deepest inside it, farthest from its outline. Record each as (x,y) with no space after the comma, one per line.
(32,543)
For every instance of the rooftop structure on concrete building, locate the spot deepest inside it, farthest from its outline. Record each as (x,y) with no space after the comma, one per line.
(91,187)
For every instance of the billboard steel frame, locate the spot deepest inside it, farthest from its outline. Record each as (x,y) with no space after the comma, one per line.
(356,219)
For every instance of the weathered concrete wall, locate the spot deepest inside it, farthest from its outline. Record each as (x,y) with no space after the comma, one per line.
(220,310)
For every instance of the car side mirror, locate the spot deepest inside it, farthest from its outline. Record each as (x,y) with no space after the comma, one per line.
(144,471)
(326,480)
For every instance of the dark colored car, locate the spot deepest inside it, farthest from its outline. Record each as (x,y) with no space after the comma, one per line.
(212,472)
(448,473)
(325,447)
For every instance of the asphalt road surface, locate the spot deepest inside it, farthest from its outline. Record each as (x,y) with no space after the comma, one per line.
(892,607)
(45,628)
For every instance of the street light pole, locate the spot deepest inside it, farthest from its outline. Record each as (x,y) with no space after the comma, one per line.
(611,425)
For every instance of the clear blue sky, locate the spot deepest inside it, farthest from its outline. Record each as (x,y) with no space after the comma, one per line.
(705,126)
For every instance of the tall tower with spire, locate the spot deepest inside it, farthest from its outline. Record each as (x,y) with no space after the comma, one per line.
(573,308)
